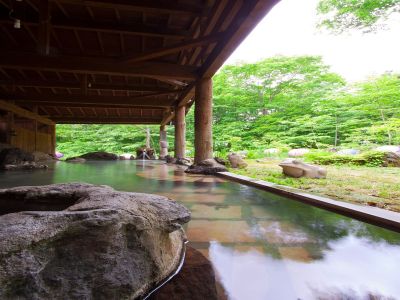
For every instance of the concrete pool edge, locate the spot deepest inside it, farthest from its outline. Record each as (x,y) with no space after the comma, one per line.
(373,215)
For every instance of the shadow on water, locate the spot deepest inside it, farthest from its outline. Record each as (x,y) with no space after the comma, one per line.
(261,245)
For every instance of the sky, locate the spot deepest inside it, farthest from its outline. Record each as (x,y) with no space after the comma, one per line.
(289,29)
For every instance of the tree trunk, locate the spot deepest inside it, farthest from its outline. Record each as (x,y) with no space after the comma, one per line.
(148,138)
(389,134)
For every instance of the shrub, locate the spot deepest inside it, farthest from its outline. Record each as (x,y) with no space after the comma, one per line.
(370,158)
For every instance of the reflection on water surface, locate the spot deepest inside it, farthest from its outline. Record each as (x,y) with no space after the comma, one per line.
(262,246)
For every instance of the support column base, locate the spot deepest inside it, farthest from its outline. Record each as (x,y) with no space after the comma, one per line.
(178,161)
(207,167)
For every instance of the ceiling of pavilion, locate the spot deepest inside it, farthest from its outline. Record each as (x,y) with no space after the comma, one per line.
(121,61)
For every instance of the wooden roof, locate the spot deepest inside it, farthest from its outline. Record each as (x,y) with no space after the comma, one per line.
(116,61)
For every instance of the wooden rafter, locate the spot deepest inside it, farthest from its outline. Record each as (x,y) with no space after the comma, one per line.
(44,27)
(83,65)
(79,99)
(154,6)
(106,120)
(172,49)
(132,29)
(93,86)
(7,106)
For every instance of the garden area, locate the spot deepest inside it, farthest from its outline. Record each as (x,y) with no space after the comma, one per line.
(268,108)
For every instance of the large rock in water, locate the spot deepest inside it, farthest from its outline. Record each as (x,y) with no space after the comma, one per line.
(81,241)
(99,155)
(17,159)
(296,168)
(208,167)
(42,157)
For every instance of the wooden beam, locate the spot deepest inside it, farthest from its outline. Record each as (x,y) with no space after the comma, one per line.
(86,105)
(79,99)
(93,86)
(84,85)
(154,6)
(251,12)
(186,96)
(168,116)
(24,113)
(44,27)
(108,27)
(90,65)
(172,49)
(105,120)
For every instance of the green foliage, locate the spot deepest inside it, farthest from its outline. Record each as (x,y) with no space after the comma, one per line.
(341,15)
(281,102)
(370,159)
(74,140)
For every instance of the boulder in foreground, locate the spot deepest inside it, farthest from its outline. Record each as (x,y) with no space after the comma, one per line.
(81,241)
(296,168)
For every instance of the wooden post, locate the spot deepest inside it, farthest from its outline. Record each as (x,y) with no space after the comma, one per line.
(163,142)
(35,128)
(53,139)
(180,132)
(10,127)
(203,141)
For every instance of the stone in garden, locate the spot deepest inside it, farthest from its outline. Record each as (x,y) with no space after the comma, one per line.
(236,161)
(208,167)
(348,152)
(391,159)
(243,153)
(145,153)
(81,241)
(99,155)
(126,156)
(388,148)
(220,160)
(183,161)
(169,159)
(296,168)
(298,152)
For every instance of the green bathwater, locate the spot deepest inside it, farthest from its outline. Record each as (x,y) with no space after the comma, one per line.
(262,246)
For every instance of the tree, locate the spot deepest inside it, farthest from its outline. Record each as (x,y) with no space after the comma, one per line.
(341,15)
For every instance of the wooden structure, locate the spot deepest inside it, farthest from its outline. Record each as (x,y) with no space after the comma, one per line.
(116,61)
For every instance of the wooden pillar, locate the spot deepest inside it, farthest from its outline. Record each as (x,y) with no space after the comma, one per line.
(53,139)
(180,132)
(10,128)
(163,142)
(35,128)
(203,141)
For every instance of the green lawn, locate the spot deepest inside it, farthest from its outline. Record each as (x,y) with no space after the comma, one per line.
(375,186)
